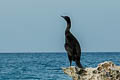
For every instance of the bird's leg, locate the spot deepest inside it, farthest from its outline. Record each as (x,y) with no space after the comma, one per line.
(70,66)
(70,60)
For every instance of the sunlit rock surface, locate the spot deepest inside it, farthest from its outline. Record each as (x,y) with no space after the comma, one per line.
(104,71)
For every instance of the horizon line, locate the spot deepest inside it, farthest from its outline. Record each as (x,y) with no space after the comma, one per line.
(65,52)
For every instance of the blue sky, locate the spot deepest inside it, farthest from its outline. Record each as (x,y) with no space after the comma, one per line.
(36,25)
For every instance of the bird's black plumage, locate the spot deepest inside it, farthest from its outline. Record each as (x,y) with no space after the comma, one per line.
(72,45)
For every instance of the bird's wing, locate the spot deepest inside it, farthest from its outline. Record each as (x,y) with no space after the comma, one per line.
(68,48)
(69,45)
(74,45)
(77,51)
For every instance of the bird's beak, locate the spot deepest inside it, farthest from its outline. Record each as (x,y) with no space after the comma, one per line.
(62,16)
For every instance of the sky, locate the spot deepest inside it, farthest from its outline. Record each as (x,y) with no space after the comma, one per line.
(36,25)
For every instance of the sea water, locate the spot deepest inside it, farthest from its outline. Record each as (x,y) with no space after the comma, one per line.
(46,66)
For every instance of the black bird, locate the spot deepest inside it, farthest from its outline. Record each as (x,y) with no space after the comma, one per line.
(72,45)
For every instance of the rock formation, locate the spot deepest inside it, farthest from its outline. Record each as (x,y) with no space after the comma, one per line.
(104,71)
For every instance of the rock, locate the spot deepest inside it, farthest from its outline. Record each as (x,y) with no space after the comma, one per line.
(105,71)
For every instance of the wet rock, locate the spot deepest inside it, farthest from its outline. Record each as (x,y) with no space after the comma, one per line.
(104,71)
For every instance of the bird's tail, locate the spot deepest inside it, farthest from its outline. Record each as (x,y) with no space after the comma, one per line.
(79,64)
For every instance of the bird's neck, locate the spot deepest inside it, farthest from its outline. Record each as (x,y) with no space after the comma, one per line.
(68,26)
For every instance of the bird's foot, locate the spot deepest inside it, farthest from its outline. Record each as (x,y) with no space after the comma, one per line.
(71,70)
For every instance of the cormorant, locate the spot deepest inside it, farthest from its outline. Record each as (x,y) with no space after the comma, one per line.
(72,45)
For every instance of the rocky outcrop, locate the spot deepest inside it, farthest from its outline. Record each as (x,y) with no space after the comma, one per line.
(104,71)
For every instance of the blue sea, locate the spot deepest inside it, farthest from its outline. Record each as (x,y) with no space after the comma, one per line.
(46,66)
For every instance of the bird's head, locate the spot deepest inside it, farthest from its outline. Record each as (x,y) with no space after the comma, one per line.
(67,18)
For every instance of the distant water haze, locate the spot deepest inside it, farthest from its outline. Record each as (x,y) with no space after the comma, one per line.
(36,25)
